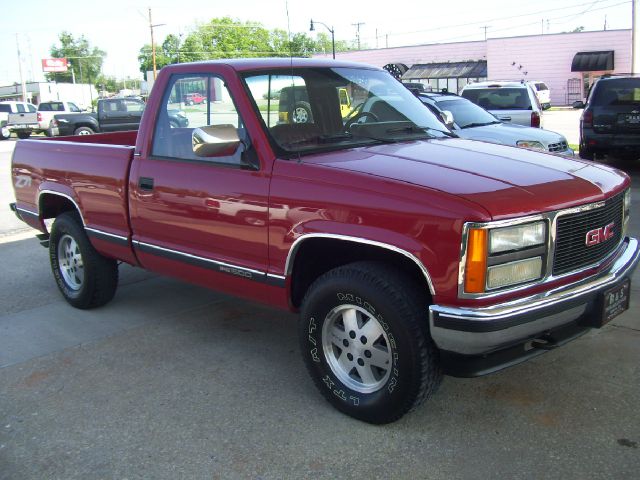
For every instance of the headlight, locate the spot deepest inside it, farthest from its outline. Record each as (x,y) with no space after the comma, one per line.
(515,238)
(514,272)
(503,256)
(531,144)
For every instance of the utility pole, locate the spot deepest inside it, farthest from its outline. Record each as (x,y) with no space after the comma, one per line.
(542,25)
(153,45)
(376,38)
(486,27)
(22,84)
(357,25)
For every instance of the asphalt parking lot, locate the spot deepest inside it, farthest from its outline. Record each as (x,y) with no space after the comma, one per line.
(174,381)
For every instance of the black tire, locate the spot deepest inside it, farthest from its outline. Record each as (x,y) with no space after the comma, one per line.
(83,131)
(49,132)
(23,135)
(373,291)
(173,124)
(85,278)
(586,153)
(301,113)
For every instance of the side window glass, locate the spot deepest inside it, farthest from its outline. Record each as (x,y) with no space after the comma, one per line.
(20,108)
(73,107)
(199,102)
(32,108)
(133,106)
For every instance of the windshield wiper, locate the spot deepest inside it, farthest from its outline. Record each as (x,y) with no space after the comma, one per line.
(480,124)
(419,129)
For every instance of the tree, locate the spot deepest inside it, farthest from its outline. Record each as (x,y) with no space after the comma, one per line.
(228,38)
(86,61)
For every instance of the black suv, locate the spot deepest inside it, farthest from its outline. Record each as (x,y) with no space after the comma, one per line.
(610,123)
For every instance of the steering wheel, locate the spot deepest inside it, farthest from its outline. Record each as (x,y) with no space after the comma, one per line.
(357,117)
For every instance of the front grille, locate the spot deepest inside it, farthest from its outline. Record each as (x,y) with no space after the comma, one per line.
(572,252)
(558,147)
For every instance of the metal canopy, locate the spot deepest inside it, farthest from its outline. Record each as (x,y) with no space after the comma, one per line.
(470,69)
(592,61)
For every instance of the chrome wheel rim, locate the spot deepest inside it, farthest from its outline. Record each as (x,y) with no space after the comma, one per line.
(357,348)
(6,133)
(300,115)
(70,262)
(84,132)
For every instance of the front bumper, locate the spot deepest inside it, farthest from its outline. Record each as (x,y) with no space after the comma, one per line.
(483,336)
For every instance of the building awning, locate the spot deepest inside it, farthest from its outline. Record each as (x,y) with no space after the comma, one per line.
(592,61)
(470,69)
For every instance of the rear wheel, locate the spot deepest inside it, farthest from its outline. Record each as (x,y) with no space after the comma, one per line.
(85,278)
(23,135)
(83,131)
(364,339)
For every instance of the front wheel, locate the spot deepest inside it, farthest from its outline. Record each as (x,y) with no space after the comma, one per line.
(85,278)
(5,133)
(83,131)
(365,342)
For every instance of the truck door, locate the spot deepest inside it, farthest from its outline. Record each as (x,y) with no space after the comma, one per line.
(202,217)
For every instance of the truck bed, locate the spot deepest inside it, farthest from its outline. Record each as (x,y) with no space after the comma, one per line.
(90,171)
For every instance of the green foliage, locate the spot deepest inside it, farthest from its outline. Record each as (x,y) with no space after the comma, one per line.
(86,61)
(231,38)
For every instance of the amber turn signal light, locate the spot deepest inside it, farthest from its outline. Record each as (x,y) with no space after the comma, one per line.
(476,266)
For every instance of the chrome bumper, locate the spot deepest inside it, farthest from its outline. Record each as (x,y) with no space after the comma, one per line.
(479,331)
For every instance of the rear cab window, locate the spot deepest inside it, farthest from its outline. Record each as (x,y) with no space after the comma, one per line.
(623,91)
(503,98)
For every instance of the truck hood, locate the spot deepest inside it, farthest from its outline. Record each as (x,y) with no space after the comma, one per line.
(506,181)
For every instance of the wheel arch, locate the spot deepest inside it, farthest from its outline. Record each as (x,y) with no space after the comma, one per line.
(324,252)
(52,203)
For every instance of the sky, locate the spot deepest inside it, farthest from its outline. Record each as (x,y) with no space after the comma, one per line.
(121,27)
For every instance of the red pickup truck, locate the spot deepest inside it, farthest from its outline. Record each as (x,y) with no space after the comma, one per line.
(409,253)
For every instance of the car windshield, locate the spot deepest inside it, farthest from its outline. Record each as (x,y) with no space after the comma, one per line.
(623,91)
(315,109)
(467,114)
(499,98)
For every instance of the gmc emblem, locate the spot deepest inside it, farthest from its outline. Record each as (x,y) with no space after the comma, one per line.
(599,235)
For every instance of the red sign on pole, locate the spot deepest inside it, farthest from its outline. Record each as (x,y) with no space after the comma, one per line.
(54,65)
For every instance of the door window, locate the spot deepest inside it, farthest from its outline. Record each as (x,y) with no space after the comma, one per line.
(199,102)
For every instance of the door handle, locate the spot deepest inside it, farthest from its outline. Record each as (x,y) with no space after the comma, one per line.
(145,183)
(506,119)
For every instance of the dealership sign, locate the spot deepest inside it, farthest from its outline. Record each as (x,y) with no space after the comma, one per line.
(54,65)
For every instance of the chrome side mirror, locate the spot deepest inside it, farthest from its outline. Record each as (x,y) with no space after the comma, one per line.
(447,118)
(215,140)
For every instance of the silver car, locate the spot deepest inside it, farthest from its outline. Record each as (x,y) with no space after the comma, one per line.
(467,120)
(511,102)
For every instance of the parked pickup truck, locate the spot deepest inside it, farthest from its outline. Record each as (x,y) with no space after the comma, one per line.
(114,114)
(408,252)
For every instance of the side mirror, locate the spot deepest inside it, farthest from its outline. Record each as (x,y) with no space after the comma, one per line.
(578,104)
(215,140)
(447,118)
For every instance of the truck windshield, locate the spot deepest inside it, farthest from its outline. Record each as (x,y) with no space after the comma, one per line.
(326,108)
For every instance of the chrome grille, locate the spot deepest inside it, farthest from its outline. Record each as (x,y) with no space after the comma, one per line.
(558,147)
(572,252)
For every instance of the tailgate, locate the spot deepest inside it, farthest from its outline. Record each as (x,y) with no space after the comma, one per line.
(23,120)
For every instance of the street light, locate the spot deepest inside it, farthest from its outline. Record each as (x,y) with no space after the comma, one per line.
(333,39)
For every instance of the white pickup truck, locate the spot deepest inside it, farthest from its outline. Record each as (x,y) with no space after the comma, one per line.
(21,118)
(46,111)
